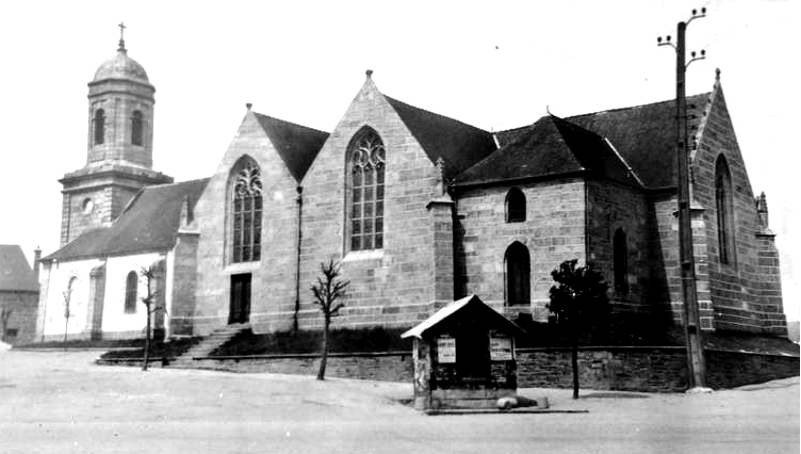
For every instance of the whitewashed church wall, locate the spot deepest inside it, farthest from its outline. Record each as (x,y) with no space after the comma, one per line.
(116,322)
(55,320)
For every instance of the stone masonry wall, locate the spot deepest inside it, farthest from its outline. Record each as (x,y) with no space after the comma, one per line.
(272,284)
(23,306)
(553,232)
(393,286)
(667,281)
(613,206)
(746,292)
(645,369)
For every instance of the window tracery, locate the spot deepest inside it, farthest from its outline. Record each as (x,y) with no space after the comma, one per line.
(246,209)
(367,171)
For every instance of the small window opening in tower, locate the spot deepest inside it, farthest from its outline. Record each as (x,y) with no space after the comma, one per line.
(136,128)
(100,126)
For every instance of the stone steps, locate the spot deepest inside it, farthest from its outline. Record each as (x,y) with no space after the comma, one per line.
(210,343)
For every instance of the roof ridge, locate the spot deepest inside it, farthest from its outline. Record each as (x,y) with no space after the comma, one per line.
(638,106)
(289,122)
(434,113)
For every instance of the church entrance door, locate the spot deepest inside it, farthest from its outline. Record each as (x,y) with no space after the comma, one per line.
(240,298)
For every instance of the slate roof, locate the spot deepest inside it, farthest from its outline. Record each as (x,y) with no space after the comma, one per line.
(458,144)
(550,147)
(646,136)
(149,223)
(297,145)
(452,308)
(15,272)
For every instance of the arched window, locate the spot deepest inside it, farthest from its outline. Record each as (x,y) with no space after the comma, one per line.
(518,275)
(100,126)
(366,168)
(725,211)
(246,211)
(136,128)
(515,206)
(621,261)
(131,284)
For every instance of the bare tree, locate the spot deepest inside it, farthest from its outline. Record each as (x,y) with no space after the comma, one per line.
(328,291)
(149,301)
(579,297)
(67,312)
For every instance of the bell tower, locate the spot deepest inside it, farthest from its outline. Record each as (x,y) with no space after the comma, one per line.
(119,153)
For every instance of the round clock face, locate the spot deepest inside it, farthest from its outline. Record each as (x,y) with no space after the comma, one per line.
(88,205)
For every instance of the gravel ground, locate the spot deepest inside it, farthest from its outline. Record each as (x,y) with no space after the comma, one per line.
(61,402)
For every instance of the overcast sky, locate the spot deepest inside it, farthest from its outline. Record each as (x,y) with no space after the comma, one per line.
(493,64)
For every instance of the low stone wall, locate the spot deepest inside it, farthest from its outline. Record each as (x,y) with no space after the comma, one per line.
(392,366)
(661,369)
(727,369)
(652,369)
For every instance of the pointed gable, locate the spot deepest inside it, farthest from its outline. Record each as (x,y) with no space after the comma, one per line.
(297,145)
(149,223)
(550,147)
(645,136)
(458,144)
(15,272)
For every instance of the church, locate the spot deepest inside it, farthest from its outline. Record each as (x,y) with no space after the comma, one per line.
(419,209)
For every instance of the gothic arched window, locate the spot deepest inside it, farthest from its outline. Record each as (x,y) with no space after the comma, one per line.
(621,261)
(100,126)
(137,128)
(515,206)
(725,211)
(131,284)
(366,169)
(246,211)
(518,275)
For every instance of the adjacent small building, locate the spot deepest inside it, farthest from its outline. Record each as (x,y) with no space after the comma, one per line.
(19,295)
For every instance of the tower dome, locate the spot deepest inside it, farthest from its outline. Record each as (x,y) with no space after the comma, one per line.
(121,67)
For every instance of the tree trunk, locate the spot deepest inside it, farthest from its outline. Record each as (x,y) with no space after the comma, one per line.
(324,358)
(66,327)
(147,338)
(574,362)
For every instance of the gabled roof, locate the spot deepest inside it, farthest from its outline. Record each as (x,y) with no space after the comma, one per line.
(458,144)
(453,308)
(297,145)
(149,223)
(15,272)
(550,147)
(646,136)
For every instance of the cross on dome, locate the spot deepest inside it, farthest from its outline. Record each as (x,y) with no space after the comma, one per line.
(122,37)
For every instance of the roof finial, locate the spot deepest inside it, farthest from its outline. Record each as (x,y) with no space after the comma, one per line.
(249,105)
(369,73)
(122,37)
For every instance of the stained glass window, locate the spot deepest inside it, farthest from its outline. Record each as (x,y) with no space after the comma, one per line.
(246,210)
(367,169)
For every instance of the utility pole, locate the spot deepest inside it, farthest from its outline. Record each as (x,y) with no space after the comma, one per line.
(696,365)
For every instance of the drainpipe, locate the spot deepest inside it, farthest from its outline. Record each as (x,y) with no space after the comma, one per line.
(299,200)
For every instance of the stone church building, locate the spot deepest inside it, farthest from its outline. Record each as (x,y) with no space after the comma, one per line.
(419,208)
